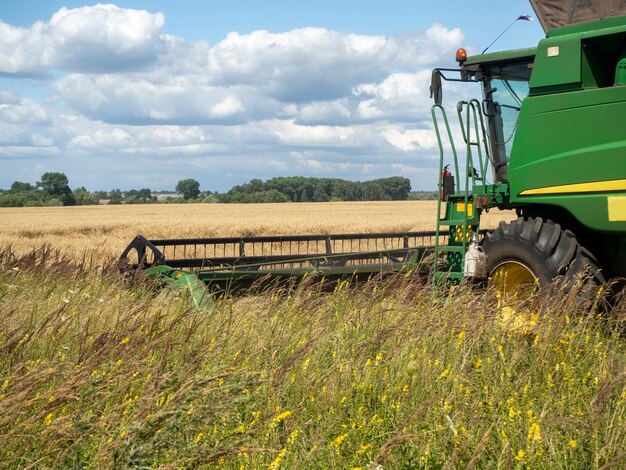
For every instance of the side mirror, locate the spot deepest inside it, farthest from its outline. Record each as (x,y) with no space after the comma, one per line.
(435,86)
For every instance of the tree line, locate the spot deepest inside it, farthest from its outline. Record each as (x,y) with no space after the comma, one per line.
(53,190)
(304,189)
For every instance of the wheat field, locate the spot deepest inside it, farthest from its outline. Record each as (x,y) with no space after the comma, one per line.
(104,231)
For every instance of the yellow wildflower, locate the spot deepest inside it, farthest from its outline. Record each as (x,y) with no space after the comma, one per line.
(293,436)
(339,439)
(534,432)
(573,443)
(275,465)
(281,417)
(364,448)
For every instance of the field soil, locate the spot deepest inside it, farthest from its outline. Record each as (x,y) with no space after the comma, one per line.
(104,231)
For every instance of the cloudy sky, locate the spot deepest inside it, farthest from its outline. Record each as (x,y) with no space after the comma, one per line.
(144,93)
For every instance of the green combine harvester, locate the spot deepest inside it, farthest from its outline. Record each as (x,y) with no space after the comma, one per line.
(547,139)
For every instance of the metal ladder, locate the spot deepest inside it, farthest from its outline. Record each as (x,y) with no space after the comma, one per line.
(461,215)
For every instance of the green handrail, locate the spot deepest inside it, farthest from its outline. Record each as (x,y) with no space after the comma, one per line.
(442,111)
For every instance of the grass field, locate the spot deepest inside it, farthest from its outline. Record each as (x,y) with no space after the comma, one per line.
(106,230)
(97,372)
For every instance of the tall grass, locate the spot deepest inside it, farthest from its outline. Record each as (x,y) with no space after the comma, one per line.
(99,373)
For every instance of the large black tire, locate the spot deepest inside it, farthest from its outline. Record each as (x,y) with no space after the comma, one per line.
(552,254)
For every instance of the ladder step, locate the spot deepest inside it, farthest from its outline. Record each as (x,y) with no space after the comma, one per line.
(451,249)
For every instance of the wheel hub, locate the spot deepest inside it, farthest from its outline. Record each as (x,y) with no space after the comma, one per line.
(514,281)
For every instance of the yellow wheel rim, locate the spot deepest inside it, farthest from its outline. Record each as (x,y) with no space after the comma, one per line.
(513,277)
(514,282)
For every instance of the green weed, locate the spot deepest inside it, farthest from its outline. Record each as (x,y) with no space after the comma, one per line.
(97,373)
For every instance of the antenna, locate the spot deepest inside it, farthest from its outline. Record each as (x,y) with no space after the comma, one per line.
(519,18)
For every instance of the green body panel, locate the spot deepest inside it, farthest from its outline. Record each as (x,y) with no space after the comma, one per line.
(500,56)
(558,72)
(558,142)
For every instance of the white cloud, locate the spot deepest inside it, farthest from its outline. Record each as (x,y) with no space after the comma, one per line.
(100,38)
(134,99)
(319,76)
(112,138)
(227,107)
(291,133)
(400,96)
(410,139)
(325,112)
(22,121)
(22,51)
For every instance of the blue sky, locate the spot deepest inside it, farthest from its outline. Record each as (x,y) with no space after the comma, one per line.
(142,94)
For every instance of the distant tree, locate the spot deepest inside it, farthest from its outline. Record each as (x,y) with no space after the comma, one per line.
(255,185)
(373,191)
(84,197)
(319,194)
(57,185)
(116,197)
(304,196)
(18,186)
(396,187)
(145,193)
(189,188)
(54,183)
(266,196)
(347,191)
(138,196)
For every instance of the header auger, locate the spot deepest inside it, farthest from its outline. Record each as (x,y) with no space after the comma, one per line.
(546,138)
